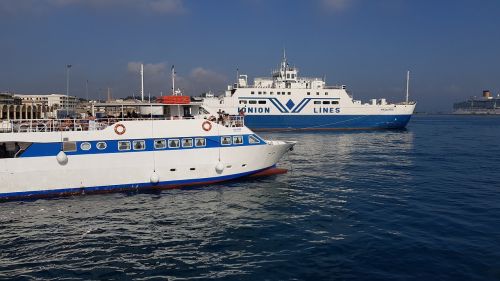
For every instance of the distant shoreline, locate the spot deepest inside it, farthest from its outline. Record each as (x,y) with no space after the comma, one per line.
(453,114)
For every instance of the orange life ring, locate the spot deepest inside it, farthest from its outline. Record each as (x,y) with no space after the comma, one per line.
(120,129)
(207,126)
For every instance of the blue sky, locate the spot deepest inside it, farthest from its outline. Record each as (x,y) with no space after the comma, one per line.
(451,46)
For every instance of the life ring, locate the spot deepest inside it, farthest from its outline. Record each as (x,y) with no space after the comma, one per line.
(120,129)
(207,126)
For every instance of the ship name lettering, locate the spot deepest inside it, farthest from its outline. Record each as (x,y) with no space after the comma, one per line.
(255,109)
(320,110)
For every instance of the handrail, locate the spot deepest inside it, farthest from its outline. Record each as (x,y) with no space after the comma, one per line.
(58,125)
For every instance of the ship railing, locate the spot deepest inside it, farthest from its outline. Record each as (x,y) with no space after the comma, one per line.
(97,124)
(406,103)
(334,87)
(228,120)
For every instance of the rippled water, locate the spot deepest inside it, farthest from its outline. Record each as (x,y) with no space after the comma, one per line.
(421,204)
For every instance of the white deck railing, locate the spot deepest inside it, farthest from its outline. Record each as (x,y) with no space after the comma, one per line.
(58,125)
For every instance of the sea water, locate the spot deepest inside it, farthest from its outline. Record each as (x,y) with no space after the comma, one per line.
(417,204)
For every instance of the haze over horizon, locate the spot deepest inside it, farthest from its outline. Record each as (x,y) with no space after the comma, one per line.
(450,47)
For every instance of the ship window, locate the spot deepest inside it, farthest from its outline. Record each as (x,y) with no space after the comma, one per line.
(317,93)
(238,140)
(85,146)
(243,102)
(289,93)
(265,93)
(253,140)
(335,102)
(326,93)
(200,142)
(160,144)
(287,75)
(252,102)
(225,140)
(187,142)
(293,75)
(308,93)
(326,102)
(69,146)
(260,93)
(252,92)
(139,145)
(317,102)
(270,93)
(101,145)
(262,102)
(173,143)
(13,149)
(123,145)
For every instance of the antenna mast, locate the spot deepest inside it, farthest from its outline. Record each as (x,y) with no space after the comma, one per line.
(407,85)
(237,77)
(87,90)
(142,82)
(173,80)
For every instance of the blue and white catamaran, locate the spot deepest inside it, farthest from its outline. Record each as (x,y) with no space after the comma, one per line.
(287,101)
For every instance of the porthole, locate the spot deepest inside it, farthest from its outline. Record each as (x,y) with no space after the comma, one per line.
(85,146)
(101,145)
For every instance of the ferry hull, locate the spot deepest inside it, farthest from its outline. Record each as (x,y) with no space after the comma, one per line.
(137,187)
(326,122)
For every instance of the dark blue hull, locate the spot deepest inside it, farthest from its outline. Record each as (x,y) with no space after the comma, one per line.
(326,122)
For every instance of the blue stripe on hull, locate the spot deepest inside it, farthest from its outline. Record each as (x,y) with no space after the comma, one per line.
(319,122)
(122,187)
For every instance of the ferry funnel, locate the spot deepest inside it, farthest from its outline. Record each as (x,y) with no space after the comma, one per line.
(487,94)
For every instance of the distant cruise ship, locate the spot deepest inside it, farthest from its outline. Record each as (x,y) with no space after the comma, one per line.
(487,104)
(287,101)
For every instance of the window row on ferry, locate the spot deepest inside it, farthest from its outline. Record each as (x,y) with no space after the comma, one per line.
(160,144)
(270,93)
(283,93)
(326,102)
(253,102)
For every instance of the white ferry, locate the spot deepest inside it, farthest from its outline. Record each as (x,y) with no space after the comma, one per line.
(287,101)
(41,158)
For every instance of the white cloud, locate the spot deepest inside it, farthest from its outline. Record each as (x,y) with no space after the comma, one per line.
(151,69)
(200,74)
(157,78)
